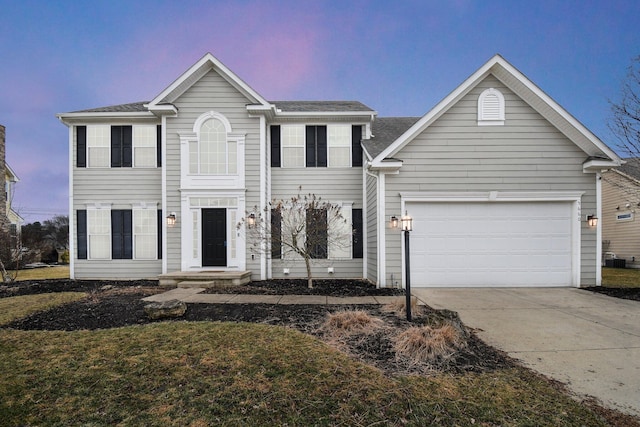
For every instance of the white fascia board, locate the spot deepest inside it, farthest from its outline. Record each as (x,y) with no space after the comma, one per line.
(599,165)
(12,174)
(386,167)
(67,118)
(162,109)
(365,115)
(366,153)
(226,73)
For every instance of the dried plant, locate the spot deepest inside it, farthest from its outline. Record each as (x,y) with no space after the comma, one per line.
(429,345)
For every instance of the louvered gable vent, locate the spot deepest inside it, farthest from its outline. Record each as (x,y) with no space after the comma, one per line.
(491,108)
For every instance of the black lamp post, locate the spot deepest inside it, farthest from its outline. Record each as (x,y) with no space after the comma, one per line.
(406,223)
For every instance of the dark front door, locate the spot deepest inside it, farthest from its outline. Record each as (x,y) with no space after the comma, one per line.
(214,237)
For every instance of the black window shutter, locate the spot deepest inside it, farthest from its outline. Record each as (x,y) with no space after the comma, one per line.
(317,236)
(81,233)
(121,235)
(276,234)
(159,231)
(275,146)
(321,146)
(116,146)
(357,233)
(159,145)
(81,149)
(127,146)
(310,146)
(356,149)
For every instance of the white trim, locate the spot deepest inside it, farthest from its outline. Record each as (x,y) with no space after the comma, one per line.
(163,147)
(72,212)
(599,230)
(382,232)
(365,270)
(263,193)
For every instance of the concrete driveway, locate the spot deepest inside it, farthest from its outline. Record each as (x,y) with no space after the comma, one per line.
(589,341)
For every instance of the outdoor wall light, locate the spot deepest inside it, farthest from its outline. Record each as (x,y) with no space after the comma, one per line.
(592,220)
(393,222)
(251,220)
(171,219)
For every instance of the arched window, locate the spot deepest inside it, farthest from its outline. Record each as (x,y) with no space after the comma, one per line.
(491,108)
(212,153)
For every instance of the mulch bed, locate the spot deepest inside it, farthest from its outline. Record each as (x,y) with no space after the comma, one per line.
(624,293)
(111,304)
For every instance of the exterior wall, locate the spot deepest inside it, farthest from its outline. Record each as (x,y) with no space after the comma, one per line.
(525,154)
(3,199)
(117,188)
(332,185)
(210,93)
(372,228)
(620,237)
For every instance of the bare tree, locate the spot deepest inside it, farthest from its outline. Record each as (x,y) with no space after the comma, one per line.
(304,226)
(10,254)
(625,118)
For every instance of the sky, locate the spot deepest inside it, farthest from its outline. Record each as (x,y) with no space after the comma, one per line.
(398,57)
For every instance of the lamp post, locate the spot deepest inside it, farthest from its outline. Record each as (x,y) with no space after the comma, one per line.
(407,225)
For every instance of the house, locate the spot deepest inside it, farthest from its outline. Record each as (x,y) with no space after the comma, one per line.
(497,176)
(8,217)
(620,201)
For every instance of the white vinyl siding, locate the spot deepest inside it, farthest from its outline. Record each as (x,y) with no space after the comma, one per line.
(145,226)
(339,145)
(144,146)
(99,146)
(99,233)
(293,138)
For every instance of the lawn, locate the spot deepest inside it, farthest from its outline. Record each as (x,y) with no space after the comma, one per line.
(59,272)
(215,373)
(621,277)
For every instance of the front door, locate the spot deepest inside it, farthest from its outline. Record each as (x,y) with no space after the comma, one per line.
(214,237)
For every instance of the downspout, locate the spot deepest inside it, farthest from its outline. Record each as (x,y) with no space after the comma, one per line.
(163,143)
(598,229)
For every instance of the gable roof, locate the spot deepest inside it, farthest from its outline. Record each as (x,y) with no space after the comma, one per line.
(208,62)
(384,131)
(528,91)
(121,108)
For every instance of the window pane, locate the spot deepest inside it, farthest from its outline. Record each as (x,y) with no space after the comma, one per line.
(99,233)
(99,146)
(144,146)
(292,142)
(339,143)
(213,148)
(144,230)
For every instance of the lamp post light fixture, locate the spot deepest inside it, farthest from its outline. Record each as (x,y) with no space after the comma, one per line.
(171,219)
(406,225)
(251,220)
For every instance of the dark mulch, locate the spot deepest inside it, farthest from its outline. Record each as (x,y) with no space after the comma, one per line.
(624,293)
(334,288)
(116,304)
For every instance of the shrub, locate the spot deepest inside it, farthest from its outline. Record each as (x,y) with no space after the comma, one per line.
(350,322)
(429,345)
(399,307)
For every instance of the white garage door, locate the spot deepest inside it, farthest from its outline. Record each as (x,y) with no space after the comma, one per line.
(491,244)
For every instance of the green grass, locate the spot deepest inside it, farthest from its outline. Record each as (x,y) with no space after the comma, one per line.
(621,277)
(60,272)
(13,308)
(233,374)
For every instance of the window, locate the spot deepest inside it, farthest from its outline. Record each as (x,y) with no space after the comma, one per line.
(297,146)
(293,138)
(103,146)
(119,234)
(98,146)
(212,154)
(358,236)
(339,145)
(491,108)
(98,233)
(144,231)
(340,230)
(144,146)
(316,232)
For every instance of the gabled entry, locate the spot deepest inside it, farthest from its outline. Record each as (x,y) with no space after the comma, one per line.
(214,237)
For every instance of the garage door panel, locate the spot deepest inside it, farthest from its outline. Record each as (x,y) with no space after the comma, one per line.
(491,244)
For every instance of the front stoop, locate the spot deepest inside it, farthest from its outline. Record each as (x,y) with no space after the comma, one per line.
(204,279)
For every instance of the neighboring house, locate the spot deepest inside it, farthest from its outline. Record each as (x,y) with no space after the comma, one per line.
(620,202)
(498,178)
(8,216)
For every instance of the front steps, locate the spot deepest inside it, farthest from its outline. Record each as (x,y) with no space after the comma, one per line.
(204,279)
